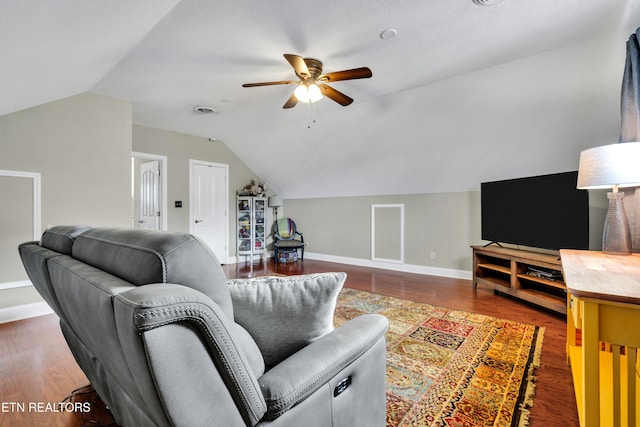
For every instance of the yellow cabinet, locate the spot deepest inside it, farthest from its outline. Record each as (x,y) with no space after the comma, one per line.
(603,335)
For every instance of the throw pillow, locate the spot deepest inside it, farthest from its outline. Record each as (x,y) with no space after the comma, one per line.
(284,314)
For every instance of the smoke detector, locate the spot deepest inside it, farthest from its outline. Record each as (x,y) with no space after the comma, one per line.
(487,2)
(202,109)
(388,34)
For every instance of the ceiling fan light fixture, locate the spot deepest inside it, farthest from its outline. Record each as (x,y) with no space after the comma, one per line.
(308,93)
(309,73)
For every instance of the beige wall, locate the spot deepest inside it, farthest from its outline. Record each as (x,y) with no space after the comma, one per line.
(524,118)
(16,224)
(179,149)
(444,223)
(81,146)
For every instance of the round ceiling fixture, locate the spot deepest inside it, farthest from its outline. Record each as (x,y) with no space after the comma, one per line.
(202,109)
(487,2)
(388,34)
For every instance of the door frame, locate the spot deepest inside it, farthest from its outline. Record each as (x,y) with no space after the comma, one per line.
(399,231)
(192,163)
(37,197)
(37,214)
(164,211)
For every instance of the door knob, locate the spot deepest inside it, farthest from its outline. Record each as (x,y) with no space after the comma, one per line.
(198,221)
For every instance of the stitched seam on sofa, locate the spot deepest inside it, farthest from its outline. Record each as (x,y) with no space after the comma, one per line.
(184,314)
(289,397)
(180,245)
(149,304)
(204,328)
(130,246)
(199,322)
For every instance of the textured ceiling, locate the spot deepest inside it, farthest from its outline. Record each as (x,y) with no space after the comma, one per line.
(167,56)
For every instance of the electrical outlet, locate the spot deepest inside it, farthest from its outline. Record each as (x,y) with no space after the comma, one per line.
(433,255)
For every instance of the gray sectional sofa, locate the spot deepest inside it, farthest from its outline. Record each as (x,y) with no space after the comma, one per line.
(167,340)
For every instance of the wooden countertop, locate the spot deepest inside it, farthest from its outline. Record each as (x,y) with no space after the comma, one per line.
(592,274)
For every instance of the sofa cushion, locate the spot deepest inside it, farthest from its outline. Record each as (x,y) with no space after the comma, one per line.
(284,314)
(61,237)
(35,259)
(150,256)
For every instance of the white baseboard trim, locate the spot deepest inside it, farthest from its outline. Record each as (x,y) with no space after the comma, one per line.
(406,268)
(243,258)
(25,311)
(13,285)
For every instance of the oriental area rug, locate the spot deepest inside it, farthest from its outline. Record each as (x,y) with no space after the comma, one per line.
(450,368)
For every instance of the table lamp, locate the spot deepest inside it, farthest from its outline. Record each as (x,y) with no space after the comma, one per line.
(612,166)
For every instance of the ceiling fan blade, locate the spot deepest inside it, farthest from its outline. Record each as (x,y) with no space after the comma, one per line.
(281,82)
(337,96)
(291,102)
(298,64)
(356,73)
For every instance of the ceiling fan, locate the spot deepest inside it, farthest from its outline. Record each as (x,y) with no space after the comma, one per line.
(313,84)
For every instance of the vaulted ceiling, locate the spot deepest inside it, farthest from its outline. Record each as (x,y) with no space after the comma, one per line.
(168,56)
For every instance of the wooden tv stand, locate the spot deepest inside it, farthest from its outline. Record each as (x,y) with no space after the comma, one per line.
(512,272)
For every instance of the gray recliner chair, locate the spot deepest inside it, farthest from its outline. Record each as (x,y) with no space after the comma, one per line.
(167,340)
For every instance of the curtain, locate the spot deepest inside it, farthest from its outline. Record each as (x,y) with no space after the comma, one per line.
(630,97)
(630,128)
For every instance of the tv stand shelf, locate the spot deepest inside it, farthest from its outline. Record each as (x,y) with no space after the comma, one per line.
(529,276)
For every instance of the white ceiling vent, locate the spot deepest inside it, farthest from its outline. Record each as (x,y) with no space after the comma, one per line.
(487,2)
(202,109)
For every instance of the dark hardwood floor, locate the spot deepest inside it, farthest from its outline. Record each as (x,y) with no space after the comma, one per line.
(37,370)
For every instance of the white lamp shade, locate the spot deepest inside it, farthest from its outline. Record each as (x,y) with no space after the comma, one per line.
(275,202)
(610,165)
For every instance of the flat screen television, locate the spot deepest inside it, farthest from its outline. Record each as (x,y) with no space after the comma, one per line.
(545,211)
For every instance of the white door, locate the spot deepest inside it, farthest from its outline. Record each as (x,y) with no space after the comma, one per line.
(209,202)
(150,195)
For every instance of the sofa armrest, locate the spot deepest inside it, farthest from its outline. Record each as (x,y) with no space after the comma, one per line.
(297,377)
(153,306)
